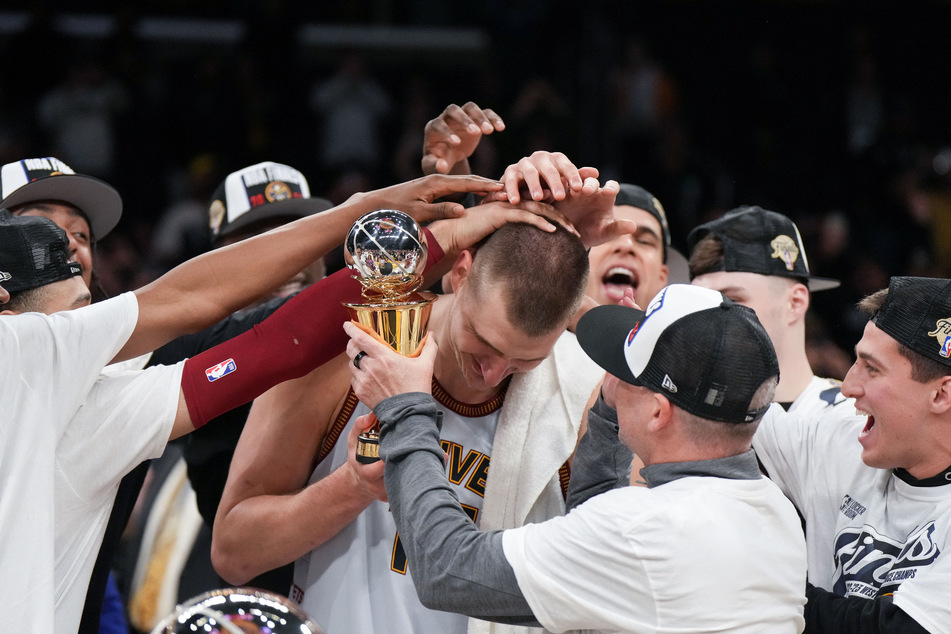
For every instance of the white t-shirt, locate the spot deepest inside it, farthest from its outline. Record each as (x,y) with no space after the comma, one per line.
(48,364)
(868,532)
(823,399)
(127,418)
(698,554)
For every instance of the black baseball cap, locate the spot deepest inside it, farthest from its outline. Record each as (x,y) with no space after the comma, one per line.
(258,192)
(756,240)
(917,314)
(637,196)
(48,178)
(705,353)
(34,252)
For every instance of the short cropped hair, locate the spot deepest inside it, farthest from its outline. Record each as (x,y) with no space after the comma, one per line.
(923,369)
(542,275)
(703,431)
(31,300)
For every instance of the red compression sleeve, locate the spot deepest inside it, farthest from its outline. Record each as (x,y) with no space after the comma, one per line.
(301,335)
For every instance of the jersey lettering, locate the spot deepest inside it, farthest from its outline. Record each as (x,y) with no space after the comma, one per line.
(459,467)
(869,564)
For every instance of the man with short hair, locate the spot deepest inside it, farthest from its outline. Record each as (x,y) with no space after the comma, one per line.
(709,545)
(756,258)
(511,394)
(878,510)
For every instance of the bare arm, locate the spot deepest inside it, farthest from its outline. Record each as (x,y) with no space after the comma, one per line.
(205,289)
(269,515)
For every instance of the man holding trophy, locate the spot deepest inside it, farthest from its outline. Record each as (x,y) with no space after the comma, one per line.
(509,392)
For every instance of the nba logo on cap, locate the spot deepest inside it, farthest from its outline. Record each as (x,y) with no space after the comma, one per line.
(942,332)
(224,368)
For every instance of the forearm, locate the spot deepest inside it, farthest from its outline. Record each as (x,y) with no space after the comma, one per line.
(263,532)
(203,290)
(602,462)
(828,613)
(455,566)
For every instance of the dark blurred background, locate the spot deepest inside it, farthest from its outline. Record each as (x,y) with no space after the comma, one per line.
(834,113)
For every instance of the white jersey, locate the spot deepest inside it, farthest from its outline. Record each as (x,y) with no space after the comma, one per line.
(358,582)
(48,365)
(127,418)
(697,554)
(823,399)
(868,532)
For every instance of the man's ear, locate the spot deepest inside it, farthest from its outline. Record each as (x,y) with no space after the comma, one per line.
(798,302)
(460,271)
(941,402)
(661,413)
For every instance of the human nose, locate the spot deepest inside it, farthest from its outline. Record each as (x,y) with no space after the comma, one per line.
(494,370)
(850,384)
(73,246)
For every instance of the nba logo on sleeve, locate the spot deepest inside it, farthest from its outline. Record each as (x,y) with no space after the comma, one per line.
(224,368)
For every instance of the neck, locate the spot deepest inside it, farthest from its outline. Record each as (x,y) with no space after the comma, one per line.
(795,373)
(446,367)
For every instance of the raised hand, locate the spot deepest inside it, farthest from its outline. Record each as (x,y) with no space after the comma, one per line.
(477,222)
(591,211)
(451,138)
(544,177)
(418,197)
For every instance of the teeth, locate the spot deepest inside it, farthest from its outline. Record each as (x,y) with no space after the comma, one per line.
(859,412)
(627,275)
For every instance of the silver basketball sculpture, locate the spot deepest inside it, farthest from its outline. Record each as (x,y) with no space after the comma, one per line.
(238,611)
(387,249)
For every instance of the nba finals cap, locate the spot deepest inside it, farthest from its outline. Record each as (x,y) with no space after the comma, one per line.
(34,252)
(37,179)
(917,314)
(637,196)
(705,353)
(759,241)
(263,191)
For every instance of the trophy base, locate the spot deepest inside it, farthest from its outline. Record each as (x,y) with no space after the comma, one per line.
(368,447)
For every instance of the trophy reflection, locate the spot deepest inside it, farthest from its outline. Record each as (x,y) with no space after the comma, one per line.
(388,251)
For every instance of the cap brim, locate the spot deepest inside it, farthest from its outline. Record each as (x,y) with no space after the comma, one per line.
(822,283)
(678,270)
(293,209)
(602,332)
(98,200)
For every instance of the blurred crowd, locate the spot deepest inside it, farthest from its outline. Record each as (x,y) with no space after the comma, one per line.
(817,111)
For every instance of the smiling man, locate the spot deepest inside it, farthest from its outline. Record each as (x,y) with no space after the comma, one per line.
(876,494)
(639,263)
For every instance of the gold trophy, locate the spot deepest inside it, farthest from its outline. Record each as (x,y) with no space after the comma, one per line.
(388,251)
